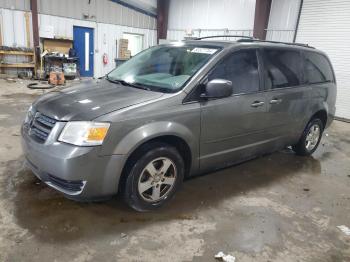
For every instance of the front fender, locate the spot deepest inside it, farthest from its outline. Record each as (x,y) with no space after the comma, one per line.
(153,130)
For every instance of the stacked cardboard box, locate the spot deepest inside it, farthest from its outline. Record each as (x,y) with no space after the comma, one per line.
(124,53)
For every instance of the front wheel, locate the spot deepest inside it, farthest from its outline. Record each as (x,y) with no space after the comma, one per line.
(310,138)
(154,177)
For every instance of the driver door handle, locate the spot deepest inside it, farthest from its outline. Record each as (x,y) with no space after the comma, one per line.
(275,101)
(257,104)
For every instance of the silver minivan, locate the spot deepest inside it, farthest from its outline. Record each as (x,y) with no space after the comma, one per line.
(177,110)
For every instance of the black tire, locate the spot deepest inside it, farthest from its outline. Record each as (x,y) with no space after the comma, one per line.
(144,156)
(301,147)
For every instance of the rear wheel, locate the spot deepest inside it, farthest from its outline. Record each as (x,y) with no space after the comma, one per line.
(310,138)
(154,177)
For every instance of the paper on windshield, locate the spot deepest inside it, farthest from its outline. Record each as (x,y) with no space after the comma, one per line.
(202,50)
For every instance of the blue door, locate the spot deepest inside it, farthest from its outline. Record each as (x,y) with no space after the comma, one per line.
(83,43)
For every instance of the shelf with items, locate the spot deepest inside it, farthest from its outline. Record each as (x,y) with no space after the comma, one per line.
(17,65)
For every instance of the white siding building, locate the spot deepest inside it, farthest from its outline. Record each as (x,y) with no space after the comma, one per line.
(109,19)
(324,24)
(210,17)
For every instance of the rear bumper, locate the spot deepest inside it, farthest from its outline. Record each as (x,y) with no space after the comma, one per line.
(78,172)
(330,117)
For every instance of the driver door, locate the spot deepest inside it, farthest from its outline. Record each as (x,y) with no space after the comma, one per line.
(232,128)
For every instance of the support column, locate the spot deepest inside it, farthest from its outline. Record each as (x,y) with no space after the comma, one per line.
(298,20)
(162,19)
(34,9)
(261,20)
(35,25)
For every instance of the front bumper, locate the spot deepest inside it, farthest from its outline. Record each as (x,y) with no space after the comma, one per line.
(78,172)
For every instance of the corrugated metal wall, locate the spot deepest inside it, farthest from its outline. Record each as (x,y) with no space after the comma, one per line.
(23,5)
(105,36)
(102,11)
(13,27)
(211,16)
(108,34)
(110,22)
(283,19)
(178,34)
(12,23)
(325,24)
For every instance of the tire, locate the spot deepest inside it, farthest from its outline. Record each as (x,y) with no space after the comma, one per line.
(146,177)
(309,141)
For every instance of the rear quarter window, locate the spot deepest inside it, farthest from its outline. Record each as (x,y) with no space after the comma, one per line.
(283,68)
(318,68)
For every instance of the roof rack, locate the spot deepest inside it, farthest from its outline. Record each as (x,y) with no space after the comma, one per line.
(215,36)
(274,42)
(245,38)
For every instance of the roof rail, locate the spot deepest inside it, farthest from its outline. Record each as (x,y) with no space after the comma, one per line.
(274,42)
(245,38)
(215,36)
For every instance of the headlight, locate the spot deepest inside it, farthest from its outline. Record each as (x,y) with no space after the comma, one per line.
(29,115)
(81,133)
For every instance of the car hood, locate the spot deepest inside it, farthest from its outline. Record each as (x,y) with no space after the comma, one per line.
(91,99)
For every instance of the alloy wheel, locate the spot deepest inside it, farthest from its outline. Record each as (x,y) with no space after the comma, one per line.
(312,137)
(157,179)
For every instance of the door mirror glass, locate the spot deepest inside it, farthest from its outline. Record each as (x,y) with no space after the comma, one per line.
(218,88)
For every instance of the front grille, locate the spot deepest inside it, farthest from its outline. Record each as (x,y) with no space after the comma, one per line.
(41,127)
(75,186)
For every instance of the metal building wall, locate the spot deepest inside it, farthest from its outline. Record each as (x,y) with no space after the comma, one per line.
(325,25)
(105,37)
(180,34)
(114,21)
(13,29)
(283,19)
(101,11)
(23,5)
(211,16)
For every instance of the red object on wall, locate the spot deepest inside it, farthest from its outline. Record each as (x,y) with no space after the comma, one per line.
(105,59)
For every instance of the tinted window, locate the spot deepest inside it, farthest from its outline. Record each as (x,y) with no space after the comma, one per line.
(242,69)
(283,68)
(317,68)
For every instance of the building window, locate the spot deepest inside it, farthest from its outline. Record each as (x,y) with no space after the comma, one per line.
(135,44)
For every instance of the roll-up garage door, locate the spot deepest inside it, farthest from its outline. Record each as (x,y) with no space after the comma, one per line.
(325,24)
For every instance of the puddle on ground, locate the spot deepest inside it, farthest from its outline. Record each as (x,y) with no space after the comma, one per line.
(51,217)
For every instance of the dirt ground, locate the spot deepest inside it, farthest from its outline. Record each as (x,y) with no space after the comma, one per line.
(280,207)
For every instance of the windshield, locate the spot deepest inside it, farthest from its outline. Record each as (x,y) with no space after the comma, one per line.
(163,68)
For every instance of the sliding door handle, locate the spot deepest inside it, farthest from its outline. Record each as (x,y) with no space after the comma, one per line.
(257,104)
(275,101)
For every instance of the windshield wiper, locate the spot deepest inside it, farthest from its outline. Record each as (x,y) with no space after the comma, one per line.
(124,83)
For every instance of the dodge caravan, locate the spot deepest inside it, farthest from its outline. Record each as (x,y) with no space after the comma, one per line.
(177,110)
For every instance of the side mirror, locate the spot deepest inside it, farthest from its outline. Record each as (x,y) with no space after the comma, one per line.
(218,88)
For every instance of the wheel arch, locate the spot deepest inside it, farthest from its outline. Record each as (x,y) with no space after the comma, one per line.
(170,133)
(322,115)
(172,140)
